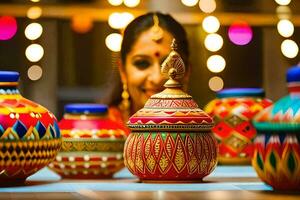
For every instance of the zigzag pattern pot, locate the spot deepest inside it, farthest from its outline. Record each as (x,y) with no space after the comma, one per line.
(29,134)
(277,149)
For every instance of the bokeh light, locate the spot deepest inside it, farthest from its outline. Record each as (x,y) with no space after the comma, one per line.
(131,3)
(115,2)
(189,3)
(207,6)
(216,63)
(33,31)
(8,27)
(82,23)
(120,20)
(283,2)
(113,42)
(34,72)
(289,48)
(240,33)
(285,28)
(35,1)
(34,12)
(210,24)
(34,52)
(216,83)
(213,42)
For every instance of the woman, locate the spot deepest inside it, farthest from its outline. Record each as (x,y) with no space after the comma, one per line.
(146,43)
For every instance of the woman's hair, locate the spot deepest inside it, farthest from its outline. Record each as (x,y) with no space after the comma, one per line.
(144,23)
(133,32)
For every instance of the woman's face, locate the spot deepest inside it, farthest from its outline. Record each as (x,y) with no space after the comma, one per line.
(142,68)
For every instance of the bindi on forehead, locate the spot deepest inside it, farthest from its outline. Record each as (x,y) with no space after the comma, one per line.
(157,54)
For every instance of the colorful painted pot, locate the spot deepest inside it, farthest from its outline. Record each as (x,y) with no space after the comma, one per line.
(171,137)
(29,134)
(233,110)
(277,150)
(92,143)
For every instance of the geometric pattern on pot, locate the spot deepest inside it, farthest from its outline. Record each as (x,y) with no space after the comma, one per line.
(23,158)
(89,165)
(277,160)
(94,133)
(98,145)
(168,156)
(19,131)
(233,128)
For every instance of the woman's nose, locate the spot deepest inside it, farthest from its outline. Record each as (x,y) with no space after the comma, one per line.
(155,75)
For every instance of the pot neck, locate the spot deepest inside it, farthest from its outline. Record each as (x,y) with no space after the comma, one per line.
(9,88)
(294,88)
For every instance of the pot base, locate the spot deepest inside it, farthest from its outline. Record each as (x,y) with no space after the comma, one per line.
(171,181)
(10,182)
(233,160)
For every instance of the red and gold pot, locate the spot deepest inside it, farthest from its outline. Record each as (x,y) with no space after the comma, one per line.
(171,136)
(277,150)
(92,143)
(232,111)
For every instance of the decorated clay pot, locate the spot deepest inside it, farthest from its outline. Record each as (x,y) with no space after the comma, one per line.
(233,110)
(276,156)
(29,134)
(92,143)
(171,137)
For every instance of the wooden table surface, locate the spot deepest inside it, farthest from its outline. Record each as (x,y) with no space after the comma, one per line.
(224,183)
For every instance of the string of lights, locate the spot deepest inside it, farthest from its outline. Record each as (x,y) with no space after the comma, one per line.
(34,52)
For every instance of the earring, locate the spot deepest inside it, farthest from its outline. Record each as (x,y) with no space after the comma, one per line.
(125,104)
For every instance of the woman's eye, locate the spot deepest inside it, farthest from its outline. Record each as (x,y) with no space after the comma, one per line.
(141,64)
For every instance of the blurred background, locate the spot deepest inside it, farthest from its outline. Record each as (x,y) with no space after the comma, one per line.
(66,50)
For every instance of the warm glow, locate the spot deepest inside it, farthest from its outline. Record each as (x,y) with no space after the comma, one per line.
(216,83)
(34,12)
(33,31)
(189,3)
(8,27)
(289,48)
(120,20)
(283,2)
(34,52)
(113,42)
(240,33)
(35,72)
(283,12)
(216,63)
(35,1)
(213,42)
(207,6)
(210,24)
(131,3)
(81,23)
(285,28)
(115,2)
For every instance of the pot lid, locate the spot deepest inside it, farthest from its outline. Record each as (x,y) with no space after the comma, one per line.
(9,76)
(241,92)
(172,109)
(88,108)
(90,121)
(283,115)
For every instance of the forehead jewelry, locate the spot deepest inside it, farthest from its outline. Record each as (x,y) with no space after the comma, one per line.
(157,31)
